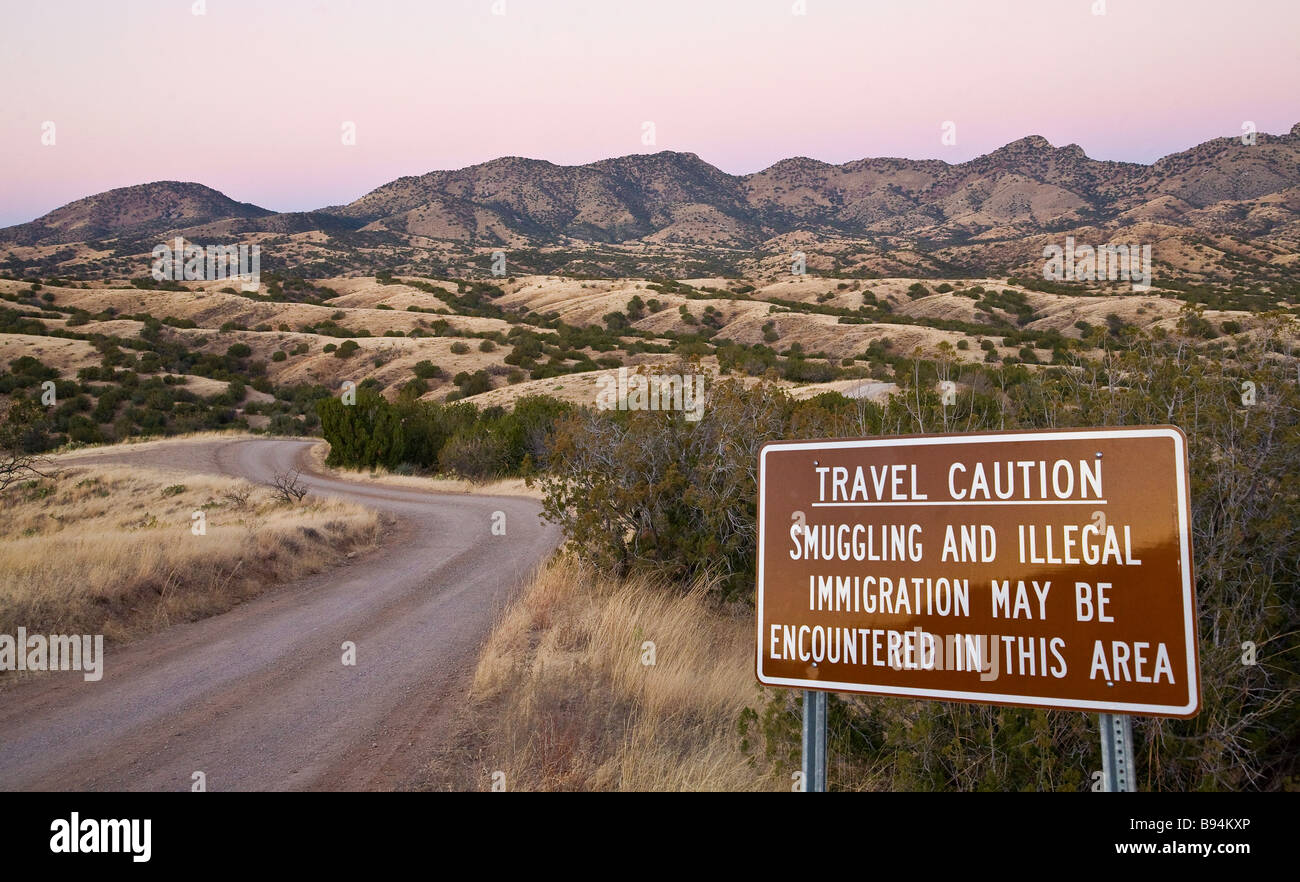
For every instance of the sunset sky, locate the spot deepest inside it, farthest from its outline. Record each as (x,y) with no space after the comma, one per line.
(251,97)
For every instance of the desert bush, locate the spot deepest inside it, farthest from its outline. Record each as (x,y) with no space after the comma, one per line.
(472,384)
(366,433)
(23,436)
(476,452)
(427,370)
(288,486)
(645,488)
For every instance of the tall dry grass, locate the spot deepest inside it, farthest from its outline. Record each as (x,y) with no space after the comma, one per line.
(564,701)
(110,550)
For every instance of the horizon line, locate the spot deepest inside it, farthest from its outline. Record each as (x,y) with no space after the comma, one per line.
(1293,130)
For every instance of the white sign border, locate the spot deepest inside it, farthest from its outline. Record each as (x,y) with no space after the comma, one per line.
(1189,607)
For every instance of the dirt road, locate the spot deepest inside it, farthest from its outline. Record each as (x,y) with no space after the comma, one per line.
(258,698)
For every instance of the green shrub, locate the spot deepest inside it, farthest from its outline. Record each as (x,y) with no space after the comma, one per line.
(473,384)
(364,434)
(427,370)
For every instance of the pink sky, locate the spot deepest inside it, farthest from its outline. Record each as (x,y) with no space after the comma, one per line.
(250,97)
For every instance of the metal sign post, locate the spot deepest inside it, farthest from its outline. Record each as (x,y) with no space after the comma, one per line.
(1117,753)
(814,741)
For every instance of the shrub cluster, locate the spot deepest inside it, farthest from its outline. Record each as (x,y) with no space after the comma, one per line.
(458,438)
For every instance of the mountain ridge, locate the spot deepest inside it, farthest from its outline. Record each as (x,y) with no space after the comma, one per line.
(1022,190)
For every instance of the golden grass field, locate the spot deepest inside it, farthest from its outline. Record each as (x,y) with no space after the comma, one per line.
(110,549)
(561,698)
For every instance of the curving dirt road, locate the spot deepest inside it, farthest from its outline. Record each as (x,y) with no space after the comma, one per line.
(258,698)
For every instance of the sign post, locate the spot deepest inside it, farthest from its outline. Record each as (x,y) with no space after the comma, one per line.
(814,741)
(1043,569)
(1117,753)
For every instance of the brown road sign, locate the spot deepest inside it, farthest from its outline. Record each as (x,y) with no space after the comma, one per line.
(1048,568)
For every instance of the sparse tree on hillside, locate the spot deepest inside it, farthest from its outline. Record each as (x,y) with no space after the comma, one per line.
(22,437)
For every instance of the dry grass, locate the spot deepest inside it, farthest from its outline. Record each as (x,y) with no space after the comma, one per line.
(564,701)
(110,550)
